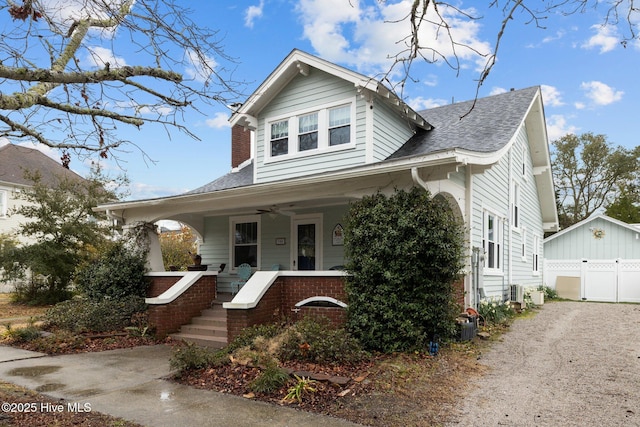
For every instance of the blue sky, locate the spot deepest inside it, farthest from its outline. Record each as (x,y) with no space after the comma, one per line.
(589,80)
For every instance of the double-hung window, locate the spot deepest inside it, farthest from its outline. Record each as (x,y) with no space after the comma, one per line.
(245,241)
(308,132)
(492,241)
(340,125)
(280,138)
(312,131)
(536,252)
(515,220)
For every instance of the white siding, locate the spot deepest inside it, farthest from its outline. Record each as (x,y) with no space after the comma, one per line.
(302,94)
(580,243)
(493,192)
(389,133)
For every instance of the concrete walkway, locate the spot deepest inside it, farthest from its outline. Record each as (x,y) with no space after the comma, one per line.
(131,384)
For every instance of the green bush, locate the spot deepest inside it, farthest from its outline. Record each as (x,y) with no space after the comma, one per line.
(405,252)
(83,315)
(494,310)
(549,293)
(247,336)
(119,273)
(21,335)
(269,380)
(189,356)
(316,341)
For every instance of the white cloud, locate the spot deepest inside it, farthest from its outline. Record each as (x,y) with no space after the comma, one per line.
(199,69)
(100,56)
(252,13)
(551,96)
(369,36)
(557,127)
(420,103)
(219,121)
(600,93)
(497,90)
(606,38)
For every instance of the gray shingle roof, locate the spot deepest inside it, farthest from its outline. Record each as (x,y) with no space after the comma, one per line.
(487,127)
(15,159)
(241,178)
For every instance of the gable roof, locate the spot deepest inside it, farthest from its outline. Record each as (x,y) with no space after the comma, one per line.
(485,125)
(298,62)
(15,159)
(592,218)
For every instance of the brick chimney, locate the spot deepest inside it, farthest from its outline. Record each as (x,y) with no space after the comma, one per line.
(240,145)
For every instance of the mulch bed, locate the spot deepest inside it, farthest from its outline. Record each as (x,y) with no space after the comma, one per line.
(332,383)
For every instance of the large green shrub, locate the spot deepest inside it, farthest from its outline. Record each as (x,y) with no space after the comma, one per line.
(404,251)
(118,273)
(83,315)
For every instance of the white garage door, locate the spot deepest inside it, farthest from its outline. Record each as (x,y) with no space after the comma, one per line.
(600,280)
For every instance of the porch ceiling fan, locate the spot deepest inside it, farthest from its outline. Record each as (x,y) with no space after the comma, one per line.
(275,210)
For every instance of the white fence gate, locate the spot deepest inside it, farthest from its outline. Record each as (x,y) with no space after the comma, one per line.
(600,280)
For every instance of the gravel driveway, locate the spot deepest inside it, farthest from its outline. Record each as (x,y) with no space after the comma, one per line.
(572,364)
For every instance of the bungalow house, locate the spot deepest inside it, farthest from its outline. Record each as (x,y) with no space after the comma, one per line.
(597,259)
(314,137)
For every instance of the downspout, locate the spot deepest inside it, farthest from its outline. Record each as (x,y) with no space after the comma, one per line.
(417,179)
(509,225)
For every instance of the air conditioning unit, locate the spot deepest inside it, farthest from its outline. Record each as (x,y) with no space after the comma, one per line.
(517,293)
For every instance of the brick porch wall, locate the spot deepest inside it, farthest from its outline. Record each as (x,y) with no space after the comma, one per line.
(168,318)
(458,293)
(282,297)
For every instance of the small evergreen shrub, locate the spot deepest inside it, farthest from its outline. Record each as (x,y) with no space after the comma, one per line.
(21,335)
(83,315)
(248,336)
(190,356)
(316,341)
(270,379)
(119,273)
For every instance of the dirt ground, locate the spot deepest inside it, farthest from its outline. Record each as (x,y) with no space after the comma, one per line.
(572,364)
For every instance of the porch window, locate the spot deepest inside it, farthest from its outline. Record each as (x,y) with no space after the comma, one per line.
(308,132)
(340,125)
(280,138)
(491,242)
(245,243)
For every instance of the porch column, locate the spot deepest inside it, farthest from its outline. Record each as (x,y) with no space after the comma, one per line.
(154,257)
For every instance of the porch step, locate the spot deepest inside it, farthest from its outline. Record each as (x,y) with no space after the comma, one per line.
(209,329)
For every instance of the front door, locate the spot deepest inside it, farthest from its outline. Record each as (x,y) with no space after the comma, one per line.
(307,239)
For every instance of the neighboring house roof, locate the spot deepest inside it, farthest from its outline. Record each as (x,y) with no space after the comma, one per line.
(16,159)
(592,218)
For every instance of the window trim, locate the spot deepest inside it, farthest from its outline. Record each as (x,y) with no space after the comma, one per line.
(535,256)
(294,151)
(499,240)
(232,241)
(516,207)
(4,200)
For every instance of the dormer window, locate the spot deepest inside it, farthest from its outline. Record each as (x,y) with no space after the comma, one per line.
(308,132)
(340,125)
(323,129)
(280,138)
